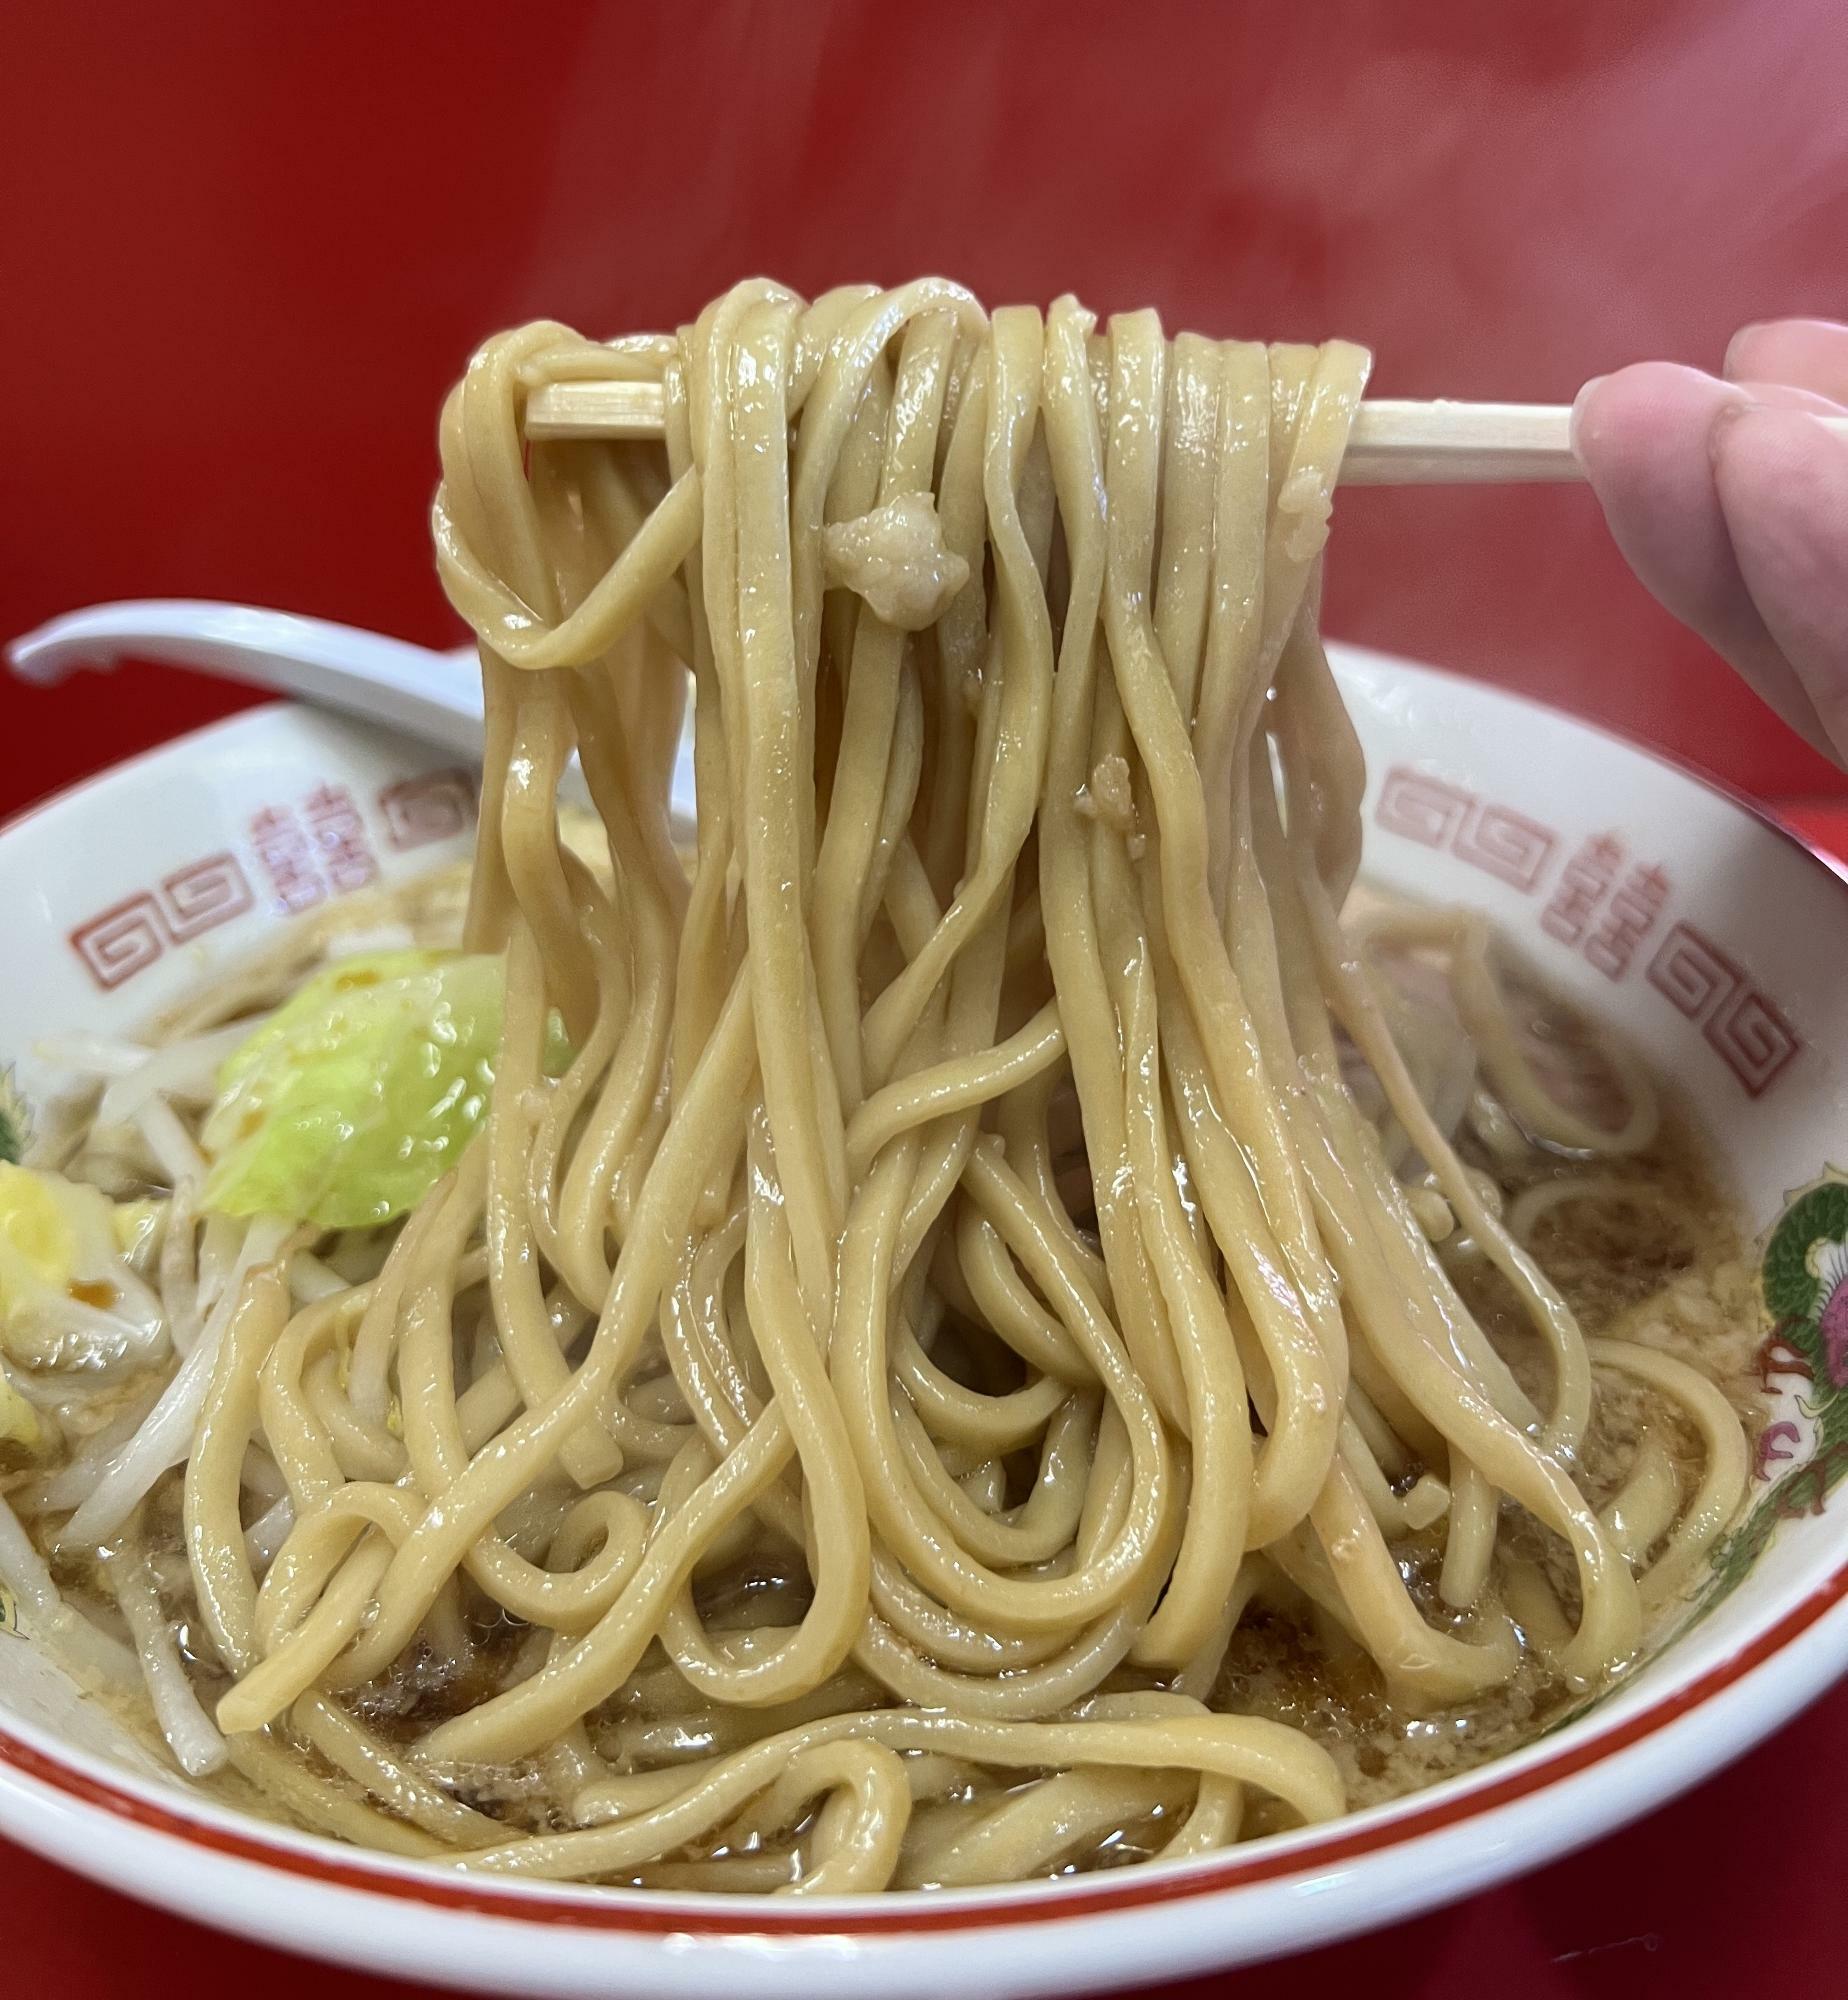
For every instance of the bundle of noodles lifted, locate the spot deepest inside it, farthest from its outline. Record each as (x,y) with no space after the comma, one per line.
(950,1324)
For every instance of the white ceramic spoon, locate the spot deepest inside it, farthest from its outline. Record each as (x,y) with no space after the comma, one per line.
(429,694)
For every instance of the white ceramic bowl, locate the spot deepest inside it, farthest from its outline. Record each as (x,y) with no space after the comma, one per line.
(1718,943)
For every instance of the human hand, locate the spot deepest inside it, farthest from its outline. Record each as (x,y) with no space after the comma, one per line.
(1730,502)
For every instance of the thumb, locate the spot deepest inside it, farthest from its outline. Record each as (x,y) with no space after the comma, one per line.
(1644,436)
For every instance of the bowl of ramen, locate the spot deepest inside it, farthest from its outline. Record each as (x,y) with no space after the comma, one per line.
(1132,1292)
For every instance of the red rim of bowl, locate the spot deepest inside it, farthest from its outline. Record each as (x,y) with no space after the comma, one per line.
(585,1907)
(578,1906)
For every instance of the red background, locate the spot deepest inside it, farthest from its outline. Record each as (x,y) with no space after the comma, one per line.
(245,249)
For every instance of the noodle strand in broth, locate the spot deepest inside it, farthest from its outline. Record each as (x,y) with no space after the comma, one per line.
(991,1236)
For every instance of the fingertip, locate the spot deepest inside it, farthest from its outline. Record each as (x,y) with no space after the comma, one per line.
(1807,354)
(1580,404)
(1647,404)
(1645,437)
(1641,435)
(1740,345)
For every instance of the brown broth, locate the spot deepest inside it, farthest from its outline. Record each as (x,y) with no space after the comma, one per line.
(1657,1259)
(1672,1273)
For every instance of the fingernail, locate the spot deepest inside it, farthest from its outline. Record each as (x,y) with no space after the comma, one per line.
(1738,341)
(1578,410)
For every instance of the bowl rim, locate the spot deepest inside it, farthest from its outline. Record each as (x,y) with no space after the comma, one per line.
(1395,1825)
(1767,1679)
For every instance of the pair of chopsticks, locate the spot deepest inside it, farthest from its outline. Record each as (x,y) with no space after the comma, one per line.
(1391,444)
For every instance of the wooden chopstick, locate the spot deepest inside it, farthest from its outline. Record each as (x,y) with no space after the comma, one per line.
(1392,443)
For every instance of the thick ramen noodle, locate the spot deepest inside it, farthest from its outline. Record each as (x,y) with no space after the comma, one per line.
(974,1315)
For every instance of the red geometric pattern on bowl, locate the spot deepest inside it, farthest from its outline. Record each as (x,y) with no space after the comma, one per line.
(1495,838)
(1603,913)
(1503,842)
(286,856)
(339,836)
(131,935)
(438,805)
(1632,916)
(1743,1024)
(1579,904)
(1421,808)
(1584,883)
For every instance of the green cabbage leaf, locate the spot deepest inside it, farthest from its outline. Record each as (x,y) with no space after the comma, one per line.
(361,1091)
